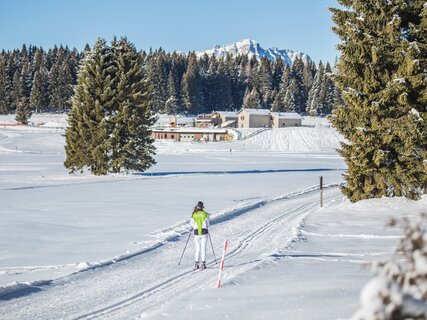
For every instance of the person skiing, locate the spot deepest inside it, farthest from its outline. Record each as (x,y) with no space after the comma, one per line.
(200,225)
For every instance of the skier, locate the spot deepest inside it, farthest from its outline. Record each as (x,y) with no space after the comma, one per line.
(200,225)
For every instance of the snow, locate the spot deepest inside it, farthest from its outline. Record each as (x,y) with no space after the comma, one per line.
(287,115)
(108,247)
(257,111)
(252,48)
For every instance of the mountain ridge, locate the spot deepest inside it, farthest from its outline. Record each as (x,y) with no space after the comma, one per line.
(253,48)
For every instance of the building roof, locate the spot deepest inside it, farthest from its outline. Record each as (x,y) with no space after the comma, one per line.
(287,115)
(227,113)
(260,112)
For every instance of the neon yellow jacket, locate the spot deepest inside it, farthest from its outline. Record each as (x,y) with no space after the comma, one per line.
(199,221)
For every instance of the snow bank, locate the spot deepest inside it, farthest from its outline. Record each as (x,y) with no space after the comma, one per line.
(16,287)
(39,119)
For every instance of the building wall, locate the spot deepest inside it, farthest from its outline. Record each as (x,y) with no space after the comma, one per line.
(260,121)
(165,135)
(281,123)
(246,120)
(243,119)
(189,136)
(225,119)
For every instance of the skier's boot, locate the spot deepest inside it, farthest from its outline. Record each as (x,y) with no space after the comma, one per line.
(196,266)
(203,265)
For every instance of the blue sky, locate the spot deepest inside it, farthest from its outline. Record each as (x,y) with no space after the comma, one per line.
(181,25)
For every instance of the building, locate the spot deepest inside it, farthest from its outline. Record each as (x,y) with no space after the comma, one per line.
(206,121)
(254,118)
(169,120)
(190,134)
(227,119)
(286,119)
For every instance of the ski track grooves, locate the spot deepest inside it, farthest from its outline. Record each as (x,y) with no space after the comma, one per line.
(241,247)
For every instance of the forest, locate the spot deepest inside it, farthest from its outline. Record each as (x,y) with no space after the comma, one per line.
(44,80)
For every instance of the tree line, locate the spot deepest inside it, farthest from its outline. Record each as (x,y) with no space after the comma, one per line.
(38,80)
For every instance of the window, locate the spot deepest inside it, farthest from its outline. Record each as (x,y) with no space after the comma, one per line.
(172,136)
(242,117)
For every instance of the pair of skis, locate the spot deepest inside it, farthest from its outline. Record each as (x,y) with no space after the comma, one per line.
(210,239)
(197,264)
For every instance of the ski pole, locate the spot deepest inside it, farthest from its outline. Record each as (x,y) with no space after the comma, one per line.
(184,248)
(212,247)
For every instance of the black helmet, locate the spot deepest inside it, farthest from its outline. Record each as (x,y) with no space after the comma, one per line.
(200,205)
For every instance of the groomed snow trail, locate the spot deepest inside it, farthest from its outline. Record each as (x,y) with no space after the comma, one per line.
(138,286)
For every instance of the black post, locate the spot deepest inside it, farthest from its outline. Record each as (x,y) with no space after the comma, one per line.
(321,191)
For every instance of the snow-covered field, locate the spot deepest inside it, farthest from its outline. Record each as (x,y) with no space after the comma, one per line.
(84,247)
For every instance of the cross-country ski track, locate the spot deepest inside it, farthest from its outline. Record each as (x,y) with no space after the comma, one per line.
(137,285)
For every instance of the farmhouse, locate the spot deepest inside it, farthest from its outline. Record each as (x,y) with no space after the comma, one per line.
(254,118)
(226,119)
(206,121)
(190,134)
(286,119)
(263,118)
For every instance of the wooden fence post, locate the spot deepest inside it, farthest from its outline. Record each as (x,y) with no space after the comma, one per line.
(321,191)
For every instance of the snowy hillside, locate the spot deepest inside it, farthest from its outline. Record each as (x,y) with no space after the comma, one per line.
(86,247)
(252,48)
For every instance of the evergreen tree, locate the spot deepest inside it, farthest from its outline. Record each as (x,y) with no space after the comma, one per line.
(210,85)
(17,90)
(92,104)
(191,89)
(60,85)
(110,118)
(130,139)
(237,79)
(23,112)
(224,100)
(4,88)
(39,98)
(277,73)
(38,61)
(327,91)
(279,102)
(297,87)
(264,81)
(26,79)
(292,98)
(381,73)
(157,76)
(252,99)
(171,106)
(315,100)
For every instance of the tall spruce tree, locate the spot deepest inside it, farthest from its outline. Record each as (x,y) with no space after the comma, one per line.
(17,90)
(252,99)
(110,119)
(381,72)
(191,89)
(92,104)
(224,100)
(297,88)
(171,106)
(4,88)
(23,112)
(314,103)
(130,142)
(292,98)
(38,97)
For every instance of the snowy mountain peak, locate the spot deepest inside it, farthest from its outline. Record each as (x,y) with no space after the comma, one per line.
(253,48)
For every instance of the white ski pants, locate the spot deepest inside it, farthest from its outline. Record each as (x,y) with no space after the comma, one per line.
(200,244)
